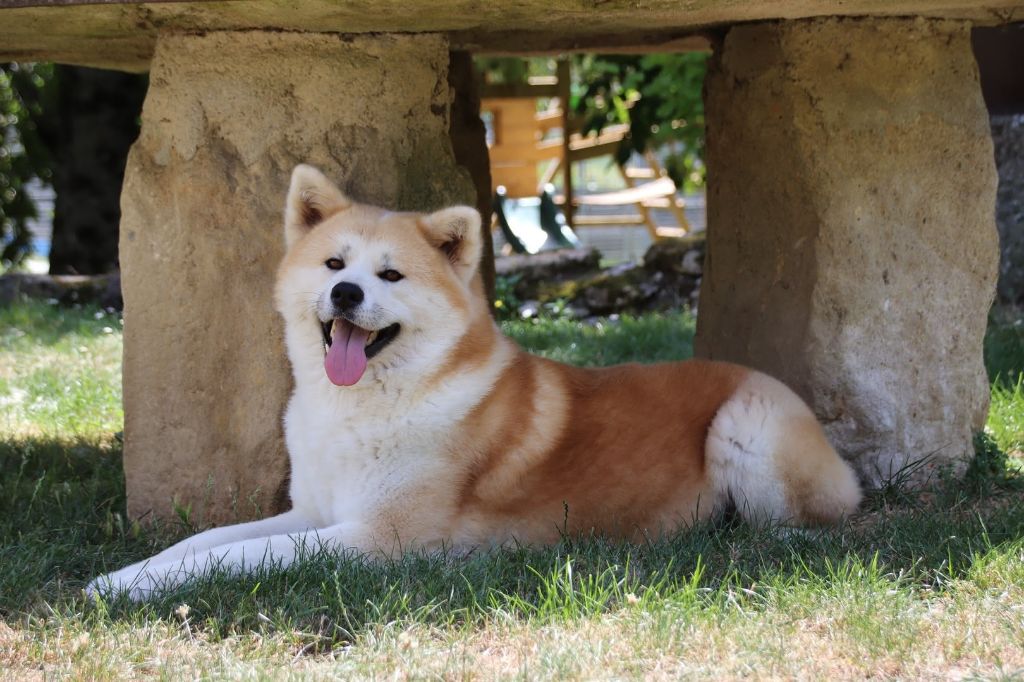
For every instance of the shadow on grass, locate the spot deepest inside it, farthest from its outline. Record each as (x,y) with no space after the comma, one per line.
(62,518)
(62,522)
(1004,346)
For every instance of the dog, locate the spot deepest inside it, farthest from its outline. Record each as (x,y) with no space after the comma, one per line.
(415,423)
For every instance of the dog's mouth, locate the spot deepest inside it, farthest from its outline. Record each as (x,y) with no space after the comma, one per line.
(348,348)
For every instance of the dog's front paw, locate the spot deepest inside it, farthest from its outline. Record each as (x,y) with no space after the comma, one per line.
(138,582)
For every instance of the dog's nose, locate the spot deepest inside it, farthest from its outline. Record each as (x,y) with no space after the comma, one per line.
(346,295)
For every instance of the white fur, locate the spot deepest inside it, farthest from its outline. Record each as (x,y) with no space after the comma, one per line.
(750,448)
(740,448)
(346,468)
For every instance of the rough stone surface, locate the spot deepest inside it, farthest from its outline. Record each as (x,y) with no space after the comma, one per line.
(123,34)
(1008,138)
(852,250)
(668,279)
(227,117)
(684,255)
(532,269)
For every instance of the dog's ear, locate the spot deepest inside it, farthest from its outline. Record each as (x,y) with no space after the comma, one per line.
(312,198)
(456,232)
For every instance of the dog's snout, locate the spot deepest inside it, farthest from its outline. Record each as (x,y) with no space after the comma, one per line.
(346,295)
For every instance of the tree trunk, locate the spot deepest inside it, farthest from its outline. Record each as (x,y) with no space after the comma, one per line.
(95,122)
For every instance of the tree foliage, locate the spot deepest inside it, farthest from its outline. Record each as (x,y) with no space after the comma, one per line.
(659,96)
(24,92)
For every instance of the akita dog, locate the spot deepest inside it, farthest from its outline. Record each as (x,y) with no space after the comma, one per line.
(416,424)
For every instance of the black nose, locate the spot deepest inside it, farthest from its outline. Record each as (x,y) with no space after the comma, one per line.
(346,295)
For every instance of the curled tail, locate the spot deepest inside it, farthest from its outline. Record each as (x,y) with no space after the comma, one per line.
(767,452)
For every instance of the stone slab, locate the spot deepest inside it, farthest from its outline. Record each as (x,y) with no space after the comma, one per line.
(122,35)
(852,250)
(227,117)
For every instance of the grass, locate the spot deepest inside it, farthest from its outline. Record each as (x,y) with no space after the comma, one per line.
(920,585)
(651,338)
(62,372)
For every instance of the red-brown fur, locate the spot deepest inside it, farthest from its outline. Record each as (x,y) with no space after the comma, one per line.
(629,456)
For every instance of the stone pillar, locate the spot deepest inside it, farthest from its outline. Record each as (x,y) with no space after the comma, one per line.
(852,248)
(226,118)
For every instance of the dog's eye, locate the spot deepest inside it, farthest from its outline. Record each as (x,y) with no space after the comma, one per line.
(391,275)
(335,263)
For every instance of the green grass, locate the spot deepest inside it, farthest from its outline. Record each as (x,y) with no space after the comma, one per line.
(923,585)
(651,338)
(61,374)
(1004,346)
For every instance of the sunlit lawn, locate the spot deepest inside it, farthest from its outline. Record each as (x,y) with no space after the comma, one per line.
(924,585)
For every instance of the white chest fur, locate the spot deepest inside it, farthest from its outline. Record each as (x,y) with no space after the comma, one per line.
(357,451)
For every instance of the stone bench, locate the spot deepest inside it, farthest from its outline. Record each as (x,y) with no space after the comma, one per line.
(852,247)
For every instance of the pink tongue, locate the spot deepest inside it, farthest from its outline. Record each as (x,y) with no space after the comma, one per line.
(346,358)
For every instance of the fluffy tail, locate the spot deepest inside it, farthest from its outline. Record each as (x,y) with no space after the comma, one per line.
(767,453)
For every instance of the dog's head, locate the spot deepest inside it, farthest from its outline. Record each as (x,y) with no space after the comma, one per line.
(363,287)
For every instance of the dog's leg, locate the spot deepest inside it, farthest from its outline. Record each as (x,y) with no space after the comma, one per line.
(142,580)
(288,522)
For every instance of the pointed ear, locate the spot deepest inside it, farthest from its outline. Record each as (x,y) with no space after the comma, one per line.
(312,198)
(456,232)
